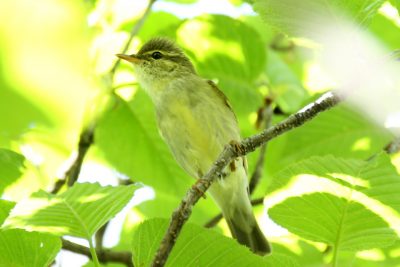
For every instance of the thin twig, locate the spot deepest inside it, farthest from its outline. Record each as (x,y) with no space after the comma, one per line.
(135,30)
(104,255)
(86,138)
(259,169)
(182,213)
(266,115)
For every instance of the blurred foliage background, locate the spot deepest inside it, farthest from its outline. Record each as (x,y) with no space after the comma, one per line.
(56,78)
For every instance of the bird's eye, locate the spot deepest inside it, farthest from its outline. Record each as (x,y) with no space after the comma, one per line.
(156,55)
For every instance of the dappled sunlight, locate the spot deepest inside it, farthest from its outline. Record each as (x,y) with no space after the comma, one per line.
(206,44)
(394,253)
(104,48)
(351,180)
(22,216)
(396,161)
(390,12)
(305,184)
(371,255)
(110,14)
(315,80)
(58,68)
(91,198)
(362,144)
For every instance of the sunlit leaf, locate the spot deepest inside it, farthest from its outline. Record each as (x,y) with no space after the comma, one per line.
(385,30)
(205,208)
(153,28)
(19,248)
(287,88)
(183,1)
(196,246)
(230,52)
(340,131)
(11,166)
(292,16)
(128,137)
(5,208)
(80,211)
(346,203)
(396,4)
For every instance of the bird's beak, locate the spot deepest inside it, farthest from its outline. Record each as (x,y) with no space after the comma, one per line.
(130,58)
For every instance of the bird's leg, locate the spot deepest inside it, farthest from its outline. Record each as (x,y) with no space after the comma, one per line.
(237,147)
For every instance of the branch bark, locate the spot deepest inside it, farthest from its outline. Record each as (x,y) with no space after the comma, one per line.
(104,255)
(182,213)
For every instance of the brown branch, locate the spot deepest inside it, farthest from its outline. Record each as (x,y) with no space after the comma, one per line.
(182,213)
(104,255)
(86,137)
(393,147)
(266,115)
(259,169)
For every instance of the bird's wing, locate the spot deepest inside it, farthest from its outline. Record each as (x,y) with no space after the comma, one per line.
(222,96)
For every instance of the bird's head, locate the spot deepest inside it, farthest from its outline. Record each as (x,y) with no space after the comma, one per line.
(159,59)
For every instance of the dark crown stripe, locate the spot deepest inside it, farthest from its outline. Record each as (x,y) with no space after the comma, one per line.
(160,44)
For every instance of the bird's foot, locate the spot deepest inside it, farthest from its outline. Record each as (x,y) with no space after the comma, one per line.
(237,147)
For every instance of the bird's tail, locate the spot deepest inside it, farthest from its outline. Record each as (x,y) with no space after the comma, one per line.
(232,197)
(245,230)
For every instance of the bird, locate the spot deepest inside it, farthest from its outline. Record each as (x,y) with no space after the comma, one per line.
(196,121)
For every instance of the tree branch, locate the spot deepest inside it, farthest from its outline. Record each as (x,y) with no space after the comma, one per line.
(86,137)
(104,255)
(182,213)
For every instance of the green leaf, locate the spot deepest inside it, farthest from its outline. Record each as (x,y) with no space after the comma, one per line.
(182,1)
(196,246)
(128,137)
(386,31)
(11,166)
(396,4)
(284,83)
(153,27)
(340,131)
(205,208)
(19,248)
(5,208)
(12,127)
(80,211)
(292,16)
(231,52)
(347,203)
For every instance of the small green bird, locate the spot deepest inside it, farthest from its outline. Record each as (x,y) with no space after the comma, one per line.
(196,121)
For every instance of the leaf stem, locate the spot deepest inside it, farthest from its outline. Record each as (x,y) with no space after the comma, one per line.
(93,253)
(335,256)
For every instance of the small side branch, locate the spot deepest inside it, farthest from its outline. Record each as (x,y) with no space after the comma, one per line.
(104,255)
(86,139)
(182,213)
